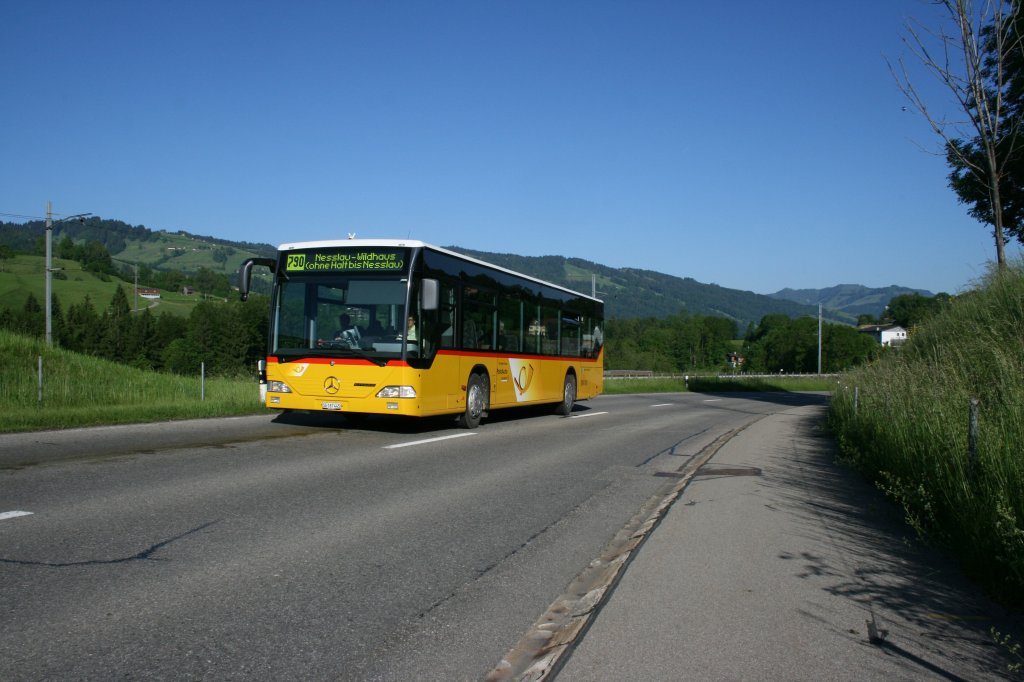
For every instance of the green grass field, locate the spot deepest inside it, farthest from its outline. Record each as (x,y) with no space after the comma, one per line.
(23,275)
(184,253)
(79,390)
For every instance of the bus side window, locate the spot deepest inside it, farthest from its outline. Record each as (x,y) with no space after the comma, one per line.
(446,315)
(477,318)
(534,330)
(570,334)
(510,324)
(591,338)
(550,329)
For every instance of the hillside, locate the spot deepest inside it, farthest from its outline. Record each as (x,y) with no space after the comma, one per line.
(138,245)
(23,275)
(627,292)
(852,299)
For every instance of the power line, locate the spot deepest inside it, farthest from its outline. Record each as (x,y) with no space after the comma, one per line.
(56,216)
(25,217)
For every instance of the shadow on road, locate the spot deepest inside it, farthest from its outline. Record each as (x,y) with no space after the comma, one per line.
(383,423)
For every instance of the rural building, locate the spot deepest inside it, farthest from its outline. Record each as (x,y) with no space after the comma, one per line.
(885,334)
(146,292)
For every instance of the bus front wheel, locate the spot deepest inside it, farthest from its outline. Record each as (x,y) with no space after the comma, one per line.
(564,408)
(476,401)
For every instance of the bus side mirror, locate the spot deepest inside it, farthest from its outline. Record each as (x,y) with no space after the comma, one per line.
(429,294)
(245,273)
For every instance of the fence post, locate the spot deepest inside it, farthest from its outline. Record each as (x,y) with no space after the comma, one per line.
(202,381)
(40,379)
(972,437)
(856,399)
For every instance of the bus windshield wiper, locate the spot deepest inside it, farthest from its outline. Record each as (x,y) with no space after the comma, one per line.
(295,355)
(359,354)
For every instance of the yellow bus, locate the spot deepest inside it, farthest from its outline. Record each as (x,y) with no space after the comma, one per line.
(374,326)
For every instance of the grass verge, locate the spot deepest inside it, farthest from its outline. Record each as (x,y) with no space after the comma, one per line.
(718,384)
(79,390)
(904,421)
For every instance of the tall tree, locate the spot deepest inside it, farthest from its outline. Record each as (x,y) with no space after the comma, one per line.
(84,328)
(6,253)
(972,57)
(117,326)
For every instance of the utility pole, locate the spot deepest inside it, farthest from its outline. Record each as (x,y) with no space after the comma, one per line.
(49,273)
(819,338)
(50,268)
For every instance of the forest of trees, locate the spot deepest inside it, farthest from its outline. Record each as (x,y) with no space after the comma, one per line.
(673,344)
(228,337)
(683,343)
(907,310)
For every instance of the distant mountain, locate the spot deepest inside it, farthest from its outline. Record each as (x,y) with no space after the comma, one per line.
(852,299)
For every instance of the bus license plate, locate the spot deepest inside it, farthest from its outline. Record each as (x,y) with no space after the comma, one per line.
(330,406)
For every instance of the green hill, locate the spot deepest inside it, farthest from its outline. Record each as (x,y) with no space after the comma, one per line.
(138,245)
(627,292)
(24,275)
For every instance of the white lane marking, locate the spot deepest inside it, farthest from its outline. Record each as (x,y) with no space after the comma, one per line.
(428,440)
(663,405)
(13,515)
(586,414)
(713,400)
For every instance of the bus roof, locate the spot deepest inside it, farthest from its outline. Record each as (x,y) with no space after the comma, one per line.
(414,243)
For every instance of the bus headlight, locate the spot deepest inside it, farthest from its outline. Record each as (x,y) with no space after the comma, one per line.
(397,392)
(278,387)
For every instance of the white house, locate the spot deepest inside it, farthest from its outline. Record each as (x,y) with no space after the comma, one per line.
(885,334)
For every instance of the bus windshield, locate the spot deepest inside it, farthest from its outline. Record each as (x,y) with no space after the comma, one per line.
(341,315)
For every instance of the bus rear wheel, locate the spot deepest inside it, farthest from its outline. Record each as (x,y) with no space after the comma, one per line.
(476,401)
(564,408)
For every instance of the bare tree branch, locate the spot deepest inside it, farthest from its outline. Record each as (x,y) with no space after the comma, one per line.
(970,62)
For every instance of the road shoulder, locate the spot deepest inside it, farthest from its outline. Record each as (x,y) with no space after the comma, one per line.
(779,563)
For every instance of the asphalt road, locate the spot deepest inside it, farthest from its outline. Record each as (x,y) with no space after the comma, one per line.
(305,547)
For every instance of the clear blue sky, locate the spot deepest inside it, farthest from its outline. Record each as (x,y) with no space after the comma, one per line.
(756,145)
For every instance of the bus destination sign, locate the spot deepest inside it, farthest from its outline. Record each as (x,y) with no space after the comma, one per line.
(346,260)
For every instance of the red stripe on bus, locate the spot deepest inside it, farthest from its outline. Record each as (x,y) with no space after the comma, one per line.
(498,354)
(271,360)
